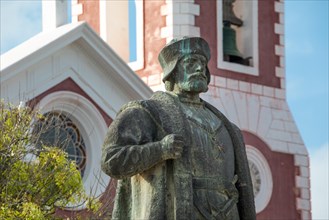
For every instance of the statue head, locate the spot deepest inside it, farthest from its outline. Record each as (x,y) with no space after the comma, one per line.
(183,56)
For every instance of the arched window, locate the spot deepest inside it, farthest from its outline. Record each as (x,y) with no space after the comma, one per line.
(58,130)
(78,122)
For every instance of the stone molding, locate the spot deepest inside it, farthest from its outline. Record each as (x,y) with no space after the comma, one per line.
(263,196)
(253,88)
(279,48)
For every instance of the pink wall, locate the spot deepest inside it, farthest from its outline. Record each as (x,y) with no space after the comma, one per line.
(283,200)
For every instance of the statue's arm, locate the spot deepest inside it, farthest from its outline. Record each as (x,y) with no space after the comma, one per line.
(133,144)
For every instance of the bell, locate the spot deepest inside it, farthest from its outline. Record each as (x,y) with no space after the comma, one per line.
(230,50)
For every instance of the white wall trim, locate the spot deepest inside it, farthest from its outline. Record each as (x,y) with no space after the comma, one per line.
(139,63)
(266,186)
(77,9)
(280,48)
(102,20)
(180,19)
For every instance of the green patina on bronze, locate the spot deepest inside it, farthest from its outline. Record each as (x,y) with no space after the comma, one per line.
(175,155)
(173,52)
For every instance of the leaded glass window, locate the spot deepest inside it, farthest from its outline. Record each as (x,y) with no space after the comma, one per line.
(58,130)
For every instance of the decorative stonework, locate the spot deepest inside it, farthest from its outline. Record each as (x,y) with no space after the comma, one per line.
(180,19)
(256,89)
(77,9)
(303,185)
(279,48)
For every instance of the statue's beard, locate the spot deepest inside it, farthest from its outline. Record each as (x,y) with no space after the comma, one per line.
(195,86)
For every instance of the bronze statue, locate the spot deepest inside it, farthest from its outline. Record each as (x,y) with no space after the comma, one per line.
(175,155)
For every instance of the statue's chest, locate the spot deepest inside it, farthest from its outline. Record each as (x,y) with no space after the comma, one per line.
(211,151)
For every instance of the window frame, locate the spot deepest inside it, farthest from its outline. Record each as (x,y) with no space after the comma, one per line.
(221,64)
(264,195)
(139,63)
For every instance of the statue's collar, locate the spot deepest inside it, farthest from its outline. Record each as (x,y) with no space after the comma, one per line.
(188,101)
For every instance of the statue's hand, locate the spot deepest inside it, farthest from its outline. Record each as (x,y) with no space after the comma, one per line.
(172,146)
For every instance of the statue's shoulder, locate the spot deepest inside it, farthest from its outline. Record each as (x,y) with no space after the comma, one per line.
(161,101)
(150,105)
(161,96)
(131,105)
(235,127)
(237,130)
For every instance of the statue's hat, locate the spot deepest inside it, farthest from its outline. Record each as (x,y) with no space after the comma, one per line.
(178,48)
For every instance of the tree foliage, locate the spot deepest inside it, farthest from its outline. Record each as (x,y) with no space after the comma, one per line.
(34,181)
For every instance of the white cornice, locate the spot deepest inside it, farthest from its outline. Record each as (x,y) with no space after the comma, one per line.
(47,43)
(38,47)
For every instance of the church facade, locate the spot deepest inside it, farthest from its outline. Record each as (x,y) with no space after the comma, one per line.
(107,56)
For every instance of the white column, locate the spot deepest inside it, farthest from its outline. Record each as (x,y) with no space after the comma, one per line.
(180,19)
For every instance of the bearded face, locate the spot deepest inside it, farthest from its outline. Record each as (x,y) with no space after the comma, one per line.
(191,74)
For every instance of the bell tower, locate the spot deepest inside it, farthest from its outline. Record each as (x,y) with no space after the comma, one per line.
(248,81)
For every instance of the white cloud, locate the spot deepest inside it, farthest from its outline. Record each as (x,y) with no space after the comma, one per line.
(319,182)
(20,20)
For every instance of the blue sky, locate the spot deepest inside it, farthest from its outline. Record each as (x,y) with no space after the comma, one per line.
(306,32)
(307,70)
(306,29)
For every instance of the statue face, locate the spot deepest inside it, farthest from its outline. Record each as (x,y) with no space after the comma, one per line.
(191,74)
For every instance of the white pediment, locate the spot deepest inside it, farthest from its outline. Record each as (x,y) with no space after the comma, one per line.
(71,51)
